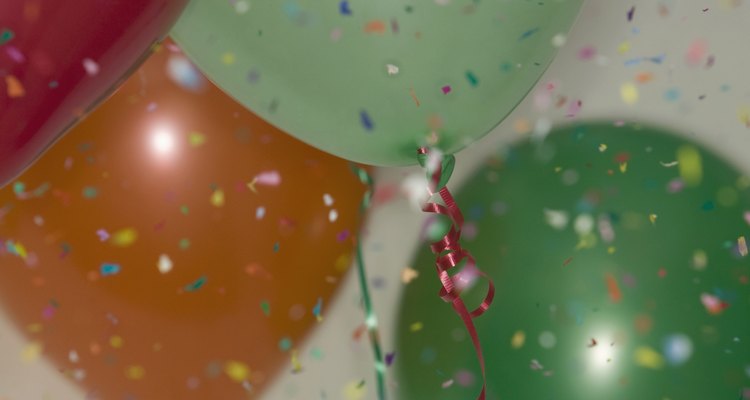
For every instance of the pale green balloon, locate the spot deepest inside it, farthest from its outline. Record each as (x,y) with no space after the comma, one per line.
(371,81)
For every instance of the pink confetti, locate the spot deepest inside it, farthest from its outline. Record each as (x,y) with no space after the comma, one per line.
(586,53)
(574,108)
(713,304)
(15,54)
(268,178)
(91,67)
(747,217)
(446,89)
(103,235)
(696,52)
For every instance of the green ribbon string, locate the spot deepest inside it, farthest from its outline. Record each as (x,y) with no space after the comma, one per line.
(371,320)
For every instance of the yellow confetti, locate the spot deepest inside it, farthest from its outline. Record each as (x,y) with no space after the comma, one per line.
(31,352)
(611,250)
(522,125)
(251,185)
(354,390)
(116,342)
(14,87)
(416,327)
(629,93)
(623,167)
(518,339)
(228,58)
(296,365)
(35,327)
(652,218)
(743,113)
(727,196)
(648,358)
(586,241)
(20,250)
(408,275)
(237,371)
(742,246)
(624,47)
(196,139)
(343,262)
(690,164)
(124,237)
(217,198)
(135,372)
(602,147)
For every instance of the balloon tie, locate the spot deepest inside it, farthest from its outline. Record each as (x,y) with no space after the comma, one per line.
(449,251)
(371,320)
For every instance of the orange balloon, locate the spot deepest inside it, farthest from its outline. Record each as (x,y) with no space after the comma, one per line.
(173,245)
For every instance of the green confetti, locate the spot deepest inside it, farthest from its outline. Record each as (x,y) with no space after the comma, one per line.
(184,243)
(184,209)
(473,80)
(276,247)
(90,192)
(266,307)
(196,285)
(285,344)
(6,36)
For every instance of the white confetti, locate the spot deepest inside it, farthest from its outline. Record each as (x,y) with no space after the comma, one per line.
(91,67)
(165,264)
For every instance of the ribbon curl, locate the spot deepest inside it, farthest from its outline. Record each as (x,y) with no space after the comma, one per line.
(371,321)
(450,253)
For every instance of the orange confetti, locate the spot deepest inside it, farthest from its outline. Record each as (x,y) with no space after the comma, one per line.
(376,26)
(644,77)
(614,291)
(15,88)
(414,96)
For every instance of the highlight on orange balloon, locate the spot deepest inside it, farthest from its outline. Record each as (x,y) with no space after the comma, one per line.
(173,245)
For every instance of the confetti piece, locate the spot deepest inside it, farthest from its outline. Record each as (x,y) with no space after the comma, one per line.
(184,244)
(228,58)
(678,348)
(559,40)
(266,307)
(260,212)
(296,365)
(447,384)
(518,339)
(743,114)
(109,269)
(696,51)
(217,198)
(237,371)
(344,8)
(473,80)
(652,218)
(612,288)
(409,274)
(6,36)
(376,26)
(124,237)
(183,73)
(90,192)
(528,34)
(14,87)
(318,309)
(391,69)
(602,148)
(31,352)
(629,93)
(416,327)
(567,261)
(669,164)
(268,178)
(586,53)
(192,287)
(647,357)
(327,200)
(389,358)
(630,13)
(116,342)
(557,219)
(414,96)
(285,344)
(691,168)
(713,304)
(624,47)
(365,120)
(446,89)
(644,77)
(742,246)
(196,139)
(165,264)
(91,67)
(135,372)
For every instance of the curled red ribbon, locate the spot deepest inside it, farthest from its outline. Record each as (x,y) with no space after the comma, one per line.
(450,253)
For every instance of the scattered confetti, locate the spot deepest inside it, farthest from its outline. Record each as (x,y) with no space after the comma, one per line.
(109,269)
(217,198)
(678,349)
(690,164)
(376,26)
(391,69)
(318,309)
(528,34)
(473,80)
(629,93)
(713,304)
(518,339)
(612,288)
(409,274)
(365,120)
(91,67)
(124,237)
(446,89)
(192,287)
(6,35)
(416,327)
(14,87)
(165,264)
(196,139)
(266,307)
(742,246)
(630,14)
(237,371)
(647,357)
(31,352)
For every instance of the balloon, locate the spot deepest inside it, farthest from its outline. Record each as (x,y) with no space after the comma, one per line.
(619,256)
(59,60)
(173,245)
(373,81)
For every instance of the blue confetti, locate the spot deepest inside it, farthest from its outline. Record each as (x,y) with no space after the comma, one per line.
(344,8)
(672,94)
(318,308)
(285,344)
(107,269)
(528,34)
(366,120)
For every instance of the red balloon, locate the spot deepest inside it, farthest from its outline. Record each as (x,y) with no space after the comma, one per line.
(59,59)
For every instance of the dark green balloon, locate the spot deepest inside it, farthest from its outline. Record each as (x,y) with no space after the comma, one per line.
(661,311)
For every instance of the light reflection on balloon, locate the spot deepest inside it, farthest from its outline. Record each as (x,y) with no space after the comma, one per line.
(163,141)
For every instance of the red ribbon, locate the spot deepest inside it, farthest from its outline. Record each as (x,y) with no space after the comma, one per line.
(449,254)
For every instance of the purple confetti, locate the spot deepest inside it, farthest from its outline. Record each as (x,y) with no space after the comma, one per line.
(389,357)
(630,13)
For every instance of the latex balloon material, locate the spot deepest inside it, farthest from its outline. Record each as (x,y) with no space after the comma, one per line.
(619,255)
(58,60)
(173,245)
(372,81)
